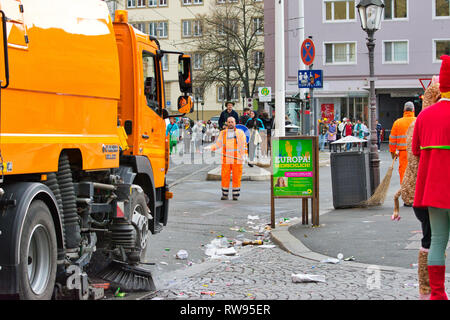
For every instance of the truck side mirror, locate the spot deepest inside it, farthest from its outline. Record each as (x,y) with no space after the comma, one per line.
(184,73)
(185,104)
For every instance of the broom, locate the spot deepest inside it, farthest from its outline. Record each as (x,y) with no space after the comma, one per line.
(378,197)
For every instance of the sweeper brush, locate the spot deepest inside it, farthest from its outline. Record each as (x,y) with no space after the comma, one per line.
(127,278)
(378,197)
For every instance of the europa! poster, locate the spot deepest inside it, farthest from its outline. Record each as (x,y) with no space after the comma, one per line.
(293,168)
(327,111)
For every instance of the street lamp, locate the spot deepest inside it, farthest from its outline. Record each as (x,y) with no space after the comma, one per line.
(203,104)
(196,102)
(370,12)
(243,98)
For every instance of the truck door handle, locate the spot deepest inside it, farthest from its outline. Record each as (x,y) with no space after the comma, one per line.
(145,136)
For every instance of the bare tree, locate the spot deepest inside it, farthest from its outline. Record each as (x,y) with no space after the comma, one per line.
(231,45)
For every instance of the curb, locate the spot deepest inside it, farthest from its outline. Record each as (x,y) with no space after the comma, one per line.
(282,237)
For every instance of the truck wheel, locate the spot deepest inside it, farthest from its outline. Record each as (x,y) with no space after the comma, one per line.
(140,221)
(38,254)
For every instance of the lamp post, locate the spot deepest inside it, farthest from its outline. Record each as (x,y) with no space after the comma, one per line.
(243,98)
(370,12)
(196,102)
(203,104)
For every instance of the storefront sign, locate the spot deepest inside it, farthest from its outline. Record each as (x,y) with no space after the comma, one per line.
(327,111)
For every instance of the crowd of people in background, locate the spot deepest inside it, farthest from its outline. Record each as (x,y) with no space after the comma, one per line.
(333,130)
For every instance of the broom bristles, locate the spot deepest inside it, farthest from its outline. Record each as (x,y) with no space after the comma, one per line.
(378,197)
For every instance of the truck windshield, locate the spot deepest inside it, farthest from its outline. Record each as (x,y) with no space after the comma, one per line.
(150,80)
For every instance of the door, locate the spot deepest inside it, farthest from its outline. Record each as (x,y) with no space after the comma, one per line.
(152,127)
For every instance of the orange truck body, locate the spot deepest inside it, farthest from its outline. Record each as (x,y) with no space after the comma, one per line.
(82,136)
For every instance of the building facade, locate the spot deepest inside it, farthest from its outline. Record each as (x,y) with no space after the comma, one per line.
(413,35)
(176,25)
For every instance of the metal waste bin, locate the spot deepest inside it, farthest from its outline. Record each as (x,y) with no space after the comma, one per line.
(350,178)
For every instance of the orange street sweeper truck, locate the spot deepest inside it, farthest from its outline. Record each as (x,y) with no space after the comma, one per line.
(83,150)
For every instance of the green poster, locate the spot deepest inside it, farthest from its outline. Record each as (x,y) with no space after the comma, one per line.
(293,167)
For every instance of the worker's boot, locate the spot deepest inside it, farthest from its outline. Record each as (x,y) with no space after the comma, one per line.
(236,193)
(424,281)
(224,194)
(437,282)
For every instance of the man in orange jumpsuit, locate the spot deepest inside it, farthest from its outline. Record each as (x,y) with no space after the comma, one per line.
(397,139)
(234,144)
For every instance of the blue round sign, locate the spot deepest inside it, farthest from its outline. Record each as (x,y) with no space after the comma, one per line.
(246,131)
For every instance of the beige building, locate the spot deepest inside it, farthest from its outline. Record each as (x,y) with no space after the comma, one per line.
(174,23)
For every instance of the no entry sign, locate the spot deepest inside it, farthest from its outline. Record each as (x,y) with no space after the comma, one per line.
(308,52)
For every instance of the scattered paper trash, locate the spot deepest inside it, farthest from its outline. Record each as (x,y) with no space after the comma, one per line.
(267,246)
(249,217)
(164,263)
(340,256)
(226,251)
(119,294)
(182,254)
(351,258)
(296,278)
(331,260)
(210,293)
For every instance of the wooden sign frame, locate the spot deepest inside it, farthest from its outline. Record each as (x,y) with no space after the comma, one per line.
(314,197)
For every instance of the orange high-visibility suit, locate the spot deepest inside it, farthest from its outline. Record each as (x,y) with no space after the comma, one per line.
(234,146)
(397,140)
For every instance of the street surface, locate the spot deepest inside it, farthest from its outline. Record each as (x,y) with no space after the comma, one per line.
(198,217)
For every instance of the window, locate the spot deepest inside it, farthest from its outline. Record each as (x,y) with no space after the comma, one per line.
(440,47)
(187,28)
(221,96)
(131,3)
(197,28)
(152,3)
(163,29)
(339,10)
(395,9)
(198,1)
(258,59)
(187,2)
(165,62)
(167,93)
(163,3)
(340,53)
(220,1)
(198,94)
(141,3)
(140,26)
(152,28)
(396,52)
(198,61)
(150,83)
(258,25)
(441,8)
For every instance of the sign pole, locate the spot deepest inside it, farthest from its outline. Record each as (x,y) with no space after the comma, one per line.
(280,91)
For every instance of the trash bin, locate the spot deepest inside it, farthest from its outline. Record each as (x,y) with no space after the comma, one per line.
(350,178)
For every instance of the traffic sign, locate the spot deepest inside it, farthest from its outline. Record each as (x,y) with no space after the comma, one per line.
(308,52)
(308,79)
(425,83)
(265,94)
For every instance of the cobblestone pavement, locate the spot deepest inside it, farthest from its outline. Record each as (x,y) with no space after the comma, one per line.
(260,274)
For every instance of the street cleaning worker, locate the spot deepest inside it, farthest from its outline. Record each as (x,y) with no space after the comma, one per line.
(407,190)
(431,143)
(173,131)
(397,139)
(234,144)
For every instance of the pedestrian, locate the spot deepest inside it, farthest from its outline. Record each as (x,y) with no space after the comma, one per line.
(365,132)
(265,134)
(225,114)
(209,132)
(348,130)
(331,134)
(357,130)
(234,150)
(322,134)
(187,136)
(397,139)
(379,127)
(407,190)
(243,119)
(173,132)
(197,136)
(431,143)
(254,125)
(215,133)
